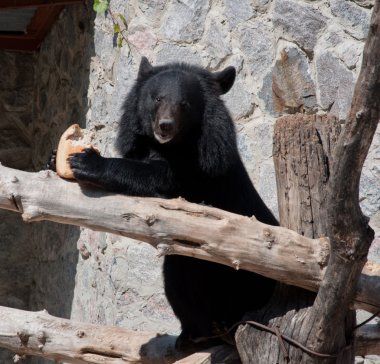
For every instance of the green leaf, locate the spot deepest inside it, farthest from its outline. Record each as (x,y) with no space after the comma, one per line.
(116,28)
(119,41)
(121,16)
(101,6)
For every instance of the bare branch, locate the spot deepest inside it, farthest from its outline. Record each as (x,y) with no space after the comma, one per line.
(330,318)
(40,334)
(180,227)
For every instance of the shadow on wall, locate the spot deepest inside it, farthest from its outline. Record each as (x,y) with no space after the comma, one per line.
(41,94)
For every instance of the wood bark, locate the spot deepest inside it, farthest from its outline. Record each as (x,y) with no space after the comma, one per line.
(329,322)
(40,334)
(302,153)
(179,227)
(43,335)
(303,146)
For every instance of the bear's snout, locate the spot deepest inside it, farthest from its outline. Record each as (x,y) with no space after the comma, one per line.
(166,125)
(165,130)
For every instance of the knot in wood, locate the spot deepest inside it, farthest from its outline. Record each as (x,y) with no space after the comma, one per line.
(81,333)
(24,337)
(236,263)
(18,358)
(164,249)
(44,174)
(41,337)
(359,115)
(269,238)
(150,220)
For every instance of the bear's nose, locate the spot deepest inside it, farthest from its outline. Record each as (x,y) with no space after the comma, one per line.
(166,125)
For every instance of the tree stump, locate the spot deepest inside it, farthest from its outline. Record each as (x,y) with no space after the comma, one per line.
(302,151)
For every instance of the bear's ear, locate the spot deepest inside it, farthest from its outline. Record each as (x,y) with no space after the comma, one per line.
(145,68)
(225,79)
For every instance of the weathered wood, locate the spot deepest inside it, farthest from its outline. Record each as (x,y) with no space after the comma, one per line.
(329,322)
(225,354)
(179,227)
(302,153)
(40,334)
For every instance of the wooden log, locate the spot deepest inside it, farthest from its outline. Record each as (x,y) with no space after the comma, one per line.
(330,323)
(179,227)
(302,152)
(43,335)
(40,334)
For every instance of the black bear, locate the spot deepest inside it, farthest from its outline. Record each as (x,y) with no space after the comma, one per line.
(177,138)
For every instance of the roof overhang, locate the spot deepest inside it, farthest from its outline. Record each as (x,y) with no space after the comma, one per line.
(25,23)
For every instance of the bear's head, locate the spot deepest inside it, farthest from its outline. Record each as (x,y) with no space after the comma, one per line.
(173,98)
(177,105)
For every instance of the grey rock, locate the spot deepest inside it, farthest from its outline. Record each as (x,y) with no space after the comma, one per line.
(216,44)
(184,20)
(142,37)
(365,3)
(293,88)
(350,52)
(354,18)
(255,143)
(261,5)
(238,100)
(265,95)
(256,45)
(296,21)
(152,9)
(335,84)
(266,186)
(169,52)
(369,190)
(237,12)
(103,41)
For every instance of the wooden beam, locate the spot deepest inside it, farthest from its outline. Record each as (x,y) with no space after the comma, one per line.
(46,14)
(62,340)
(17,42)
(38,28)
(42,22)
(14,4)
(179,227)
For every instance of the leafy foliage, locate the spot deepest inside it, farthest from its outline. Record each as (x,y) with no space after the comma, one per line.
(101,6)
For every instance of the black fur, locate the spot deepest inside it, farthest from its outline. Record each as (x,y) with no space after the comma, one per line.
(177,138)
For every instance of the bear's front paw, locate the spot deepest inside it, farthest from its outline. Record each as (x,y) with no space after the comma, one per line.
(87,166)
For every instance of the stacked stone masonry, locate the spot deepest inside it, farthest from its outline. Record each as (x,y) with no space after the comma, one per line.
(291,56)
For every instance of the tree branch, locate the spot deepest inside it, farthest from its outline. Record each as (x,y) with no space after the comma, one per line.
(179,227)
(40,334)
(348,230)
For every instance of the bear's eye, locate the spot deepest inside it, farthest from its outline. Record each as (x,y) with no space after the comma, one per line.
(158,99)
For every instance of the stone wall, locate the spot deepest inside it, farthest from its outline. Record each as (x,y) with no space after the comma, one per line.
(309,50)
(16,143)
(41,93)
